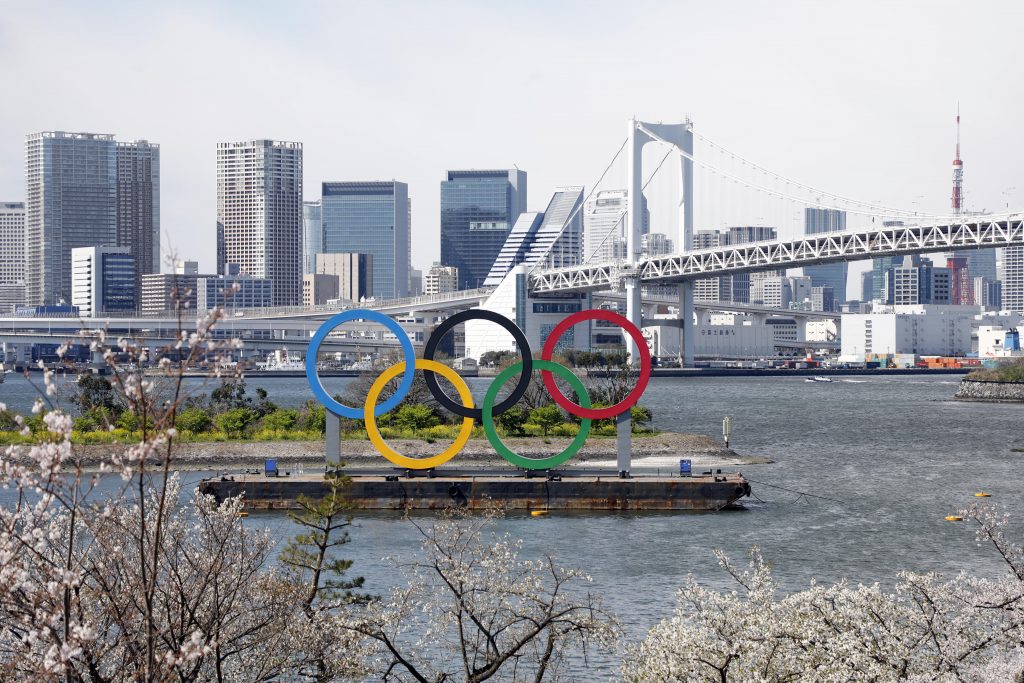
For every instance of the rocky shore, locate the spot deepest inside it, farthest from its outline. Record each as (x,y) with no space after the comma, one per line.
(662,450)
(997,392)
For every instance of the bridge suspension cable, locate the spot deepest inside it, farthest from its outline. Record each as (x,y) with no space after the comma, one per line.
(874,209)
(622,213)
(579,208)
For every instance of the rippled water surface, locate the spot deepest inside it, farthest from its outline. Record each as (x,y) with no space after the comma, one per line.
(893,455)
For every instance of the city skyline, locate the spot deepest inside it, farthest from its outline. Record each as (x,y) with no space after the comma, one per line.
(178,103)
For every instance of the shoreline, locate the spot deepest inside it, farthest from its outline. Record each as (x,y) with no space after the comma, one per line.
(661,450)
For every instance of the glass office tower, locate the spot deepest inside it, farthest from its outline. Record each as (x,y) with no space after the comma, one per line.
(478,210)
(71,201)
(370,218)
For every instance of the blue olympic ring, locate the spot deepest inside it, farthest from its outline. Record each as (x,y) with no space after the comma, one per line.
(314,346)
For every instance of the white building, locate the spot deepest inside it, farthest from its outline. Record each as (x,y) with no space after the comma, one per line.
(441,279)
(998,341)
(728,336)
(922,330)
(102,280)
(511,299)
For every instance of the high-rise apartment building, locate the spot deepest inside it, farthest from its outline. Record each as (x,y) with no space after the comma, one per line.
(834,275)
(478,210)
(552,238)
(138,203)
(370,218)
(259,213)
(102,280)
(441,279)
(70,201)
(312,235)
(12,243)
(1013,279)
(605,220)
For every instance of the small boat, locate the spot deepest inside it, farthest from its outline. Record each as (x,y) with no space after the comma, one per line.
(818,378)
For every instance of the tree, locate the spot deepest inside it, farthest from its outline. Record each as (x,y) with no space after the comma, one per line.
(319,574)
(96,392)
(492,615)
(547,417)
(929,629)
(129,582)
(640,417)
(513,420)
(229,395)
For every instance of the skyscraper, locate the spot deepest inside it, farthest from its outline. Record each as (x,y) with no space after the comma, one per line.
(259,213)
(1013,279)
(12,242)
(478,210)
(370,218)
(312,235)
(552,238)
(12,256)
(834,275)
(604,225)
(71,201)
(138,204)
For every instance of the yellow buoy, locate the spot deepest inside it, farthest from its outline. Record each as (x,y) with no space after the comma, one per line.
(954,518)
(242,513)
(539,513)
(982,494)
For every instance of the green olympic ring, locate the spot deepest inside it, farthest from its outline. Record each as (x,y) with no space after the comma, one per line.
(504,451)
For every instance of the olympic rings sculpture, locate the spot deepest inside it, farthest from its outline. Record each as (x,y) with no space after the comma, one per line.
(486,413)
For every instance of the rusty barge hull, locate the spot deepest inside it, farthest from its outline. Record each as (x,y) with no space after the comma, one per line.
(379,492)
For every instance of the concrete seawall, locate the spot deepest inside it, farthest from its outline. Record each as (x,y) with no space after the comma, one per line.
(997,392)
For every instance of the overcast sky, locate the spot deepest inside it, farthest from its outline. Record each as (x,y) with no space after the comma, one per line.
(857,98)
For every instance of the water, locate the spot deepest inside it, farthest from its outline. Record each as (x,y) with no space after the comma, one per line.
(896,454)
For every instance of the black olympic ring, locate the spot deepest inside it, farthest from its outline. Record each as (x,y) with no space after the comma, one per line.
(478,314)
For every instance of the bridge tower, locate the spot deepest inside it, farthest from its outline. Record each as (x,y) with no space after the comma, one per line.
(681,136)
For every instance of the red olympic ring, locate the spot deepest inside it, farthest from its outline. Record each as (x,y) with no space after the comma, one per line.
(633,396)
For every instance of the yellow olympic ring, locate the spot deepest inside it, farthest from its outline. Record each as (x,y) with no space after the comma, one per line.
(403,460)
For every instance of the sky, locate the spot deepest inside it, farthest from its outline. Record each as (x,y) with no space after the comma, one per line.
(857,98)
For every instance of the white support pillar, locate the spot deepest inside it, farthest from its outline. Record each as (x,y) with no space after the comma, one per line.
(635,315)
(332,442)
(687,340)
(634,202)
(687,330)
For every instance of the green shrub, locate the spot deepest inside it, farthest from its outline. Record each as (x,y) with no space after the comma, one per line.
(283,419)
(195,420)
(547,417)
(233,422)
(415,418)
(513,420)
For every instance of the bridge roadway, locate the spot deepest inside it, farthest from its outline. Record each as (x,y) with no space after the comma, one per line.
(950,234)
(266,331)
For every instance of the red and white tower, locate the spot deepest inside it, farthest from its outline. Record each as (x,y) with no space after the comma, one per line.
(958,171)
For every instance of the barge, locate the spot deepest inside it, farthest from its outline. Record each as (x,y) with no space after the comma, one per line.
(576,490)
